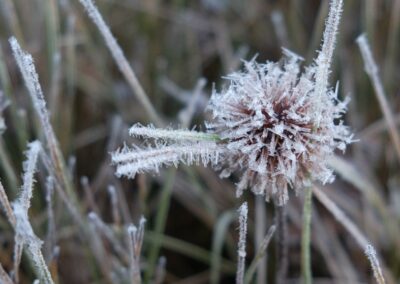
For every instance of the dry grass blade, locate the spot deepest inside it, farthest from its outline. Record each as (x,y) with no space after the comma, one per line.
(260,229)
(372,70)
(261,252)
(4,278)
(121,60)
(135,235)
(24,234)
(349,225)
(341,217)
(373,259)
(6,205)
(31,79)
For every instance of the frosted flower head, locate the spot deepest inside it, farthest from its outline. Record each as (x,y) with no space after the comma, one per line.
(276,123)
(279,130)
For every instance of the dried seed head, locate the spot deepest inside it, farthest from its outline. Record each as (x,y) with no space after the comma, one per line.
(279,130)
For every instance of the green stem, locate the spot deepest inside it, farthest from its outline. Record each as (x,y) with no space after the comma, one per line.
(161,218)
(305,244)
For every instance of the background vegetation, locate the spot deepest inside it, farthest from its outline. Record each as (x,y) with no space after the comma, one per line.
(191,229)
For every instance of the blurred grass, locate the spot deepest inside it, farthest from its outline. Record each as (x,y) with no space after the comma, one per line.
(191,222)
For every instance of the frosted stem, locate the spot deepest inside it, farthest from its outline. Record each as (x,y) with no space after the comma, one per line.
(324,58)
(373,259)
(243,211)
(372,70)
(306,236)
(150,131)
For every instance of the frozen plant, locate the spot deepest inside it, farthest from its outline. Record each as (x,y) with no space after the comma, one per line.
(274,123)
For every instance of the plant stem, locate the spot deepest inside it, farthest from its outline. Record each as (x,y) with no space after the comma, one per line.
(160,222)
(305,243)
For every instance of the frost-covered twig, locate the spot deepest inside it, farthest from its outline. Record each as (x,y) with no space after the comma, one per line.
(243,211)
(32,155)
(135,236)
(27,68)
(120,59)
(24,235)
(372,70)
(373,259)
(138,130)
(132,161)
(324,58)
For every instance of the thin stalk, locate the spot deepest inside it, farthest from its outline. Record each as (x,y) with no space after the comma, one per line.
(349,225)
(261,252)
(12,180)
(121,60)
(376,268)
(16,118)
(12,18)
(306,236)
(243,212)
(4,278)
(161,219)
(371,69)
(282,244)
(220,231)
(27,68)
(259,236)
(189,250)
